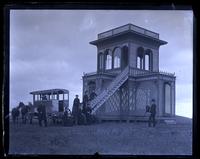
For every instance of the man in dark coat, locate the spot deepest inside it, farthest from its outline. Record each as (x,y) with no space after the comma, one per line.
(92,95)
(153,114)
(75,109)
(42,114)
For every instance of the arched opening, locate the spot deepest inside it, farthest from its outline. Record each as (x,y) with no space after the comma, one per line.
(108,59)
(140,58)
(167,89)
(138,62)
(117,58)
(148,60)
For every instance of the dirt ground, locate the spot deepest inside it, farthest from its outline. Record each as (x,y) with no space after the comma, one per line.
(105,138)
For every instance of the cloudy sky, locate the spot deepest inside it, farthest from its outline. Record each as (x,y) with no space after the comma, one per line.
(50,48)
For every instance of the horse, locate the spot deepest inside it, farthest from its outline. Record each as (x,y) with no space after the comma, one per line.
(15,114)
(24,112)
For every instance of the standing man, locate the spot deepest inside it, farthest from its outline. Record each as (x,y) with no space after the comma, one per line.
(75,109)
(153,113)
(42,114)
(93,95)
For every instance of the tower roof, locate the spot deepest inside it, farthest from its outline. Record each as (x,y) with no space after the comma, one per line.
(127,29)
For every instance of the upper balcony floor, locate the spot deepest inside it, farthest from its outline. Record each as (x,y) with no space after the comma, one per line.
(133,72)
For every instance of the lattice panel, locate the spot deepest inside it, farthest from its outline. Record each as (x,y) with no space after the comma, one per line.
(124,106)
(132,98)
(101,110)
(113,103)
(143,98)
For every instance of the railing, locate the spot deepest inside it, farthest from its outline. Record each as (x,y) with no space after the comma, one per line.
(128,27)
(102,97)
(139,72)
(134,72)
(89,74)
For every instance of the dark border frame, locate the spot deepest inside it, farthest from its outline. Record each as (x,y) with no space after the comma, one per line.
(90,6)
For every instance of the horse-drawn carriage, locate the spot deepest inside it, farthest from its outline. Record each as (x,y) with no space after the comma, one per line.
(56,105)
(56,102)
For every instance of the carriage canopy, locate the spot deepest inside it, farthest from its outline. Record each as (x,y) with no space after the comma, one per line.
(53,99)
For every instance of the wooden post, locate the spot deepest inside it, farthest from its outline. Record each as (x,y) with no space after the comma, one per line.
(120,103)
(57,96)
(144,61)
(33,99)
(140,63)
(149,61)
(112,60)
(128,107)
(52,95)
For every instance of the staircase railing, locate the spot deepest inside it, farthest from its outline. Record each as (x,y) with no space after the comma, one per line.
(105,94)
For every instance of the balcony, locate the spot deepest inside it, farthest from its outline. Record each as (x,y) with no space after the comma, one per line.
(135,72)
(128,27)
(139,72)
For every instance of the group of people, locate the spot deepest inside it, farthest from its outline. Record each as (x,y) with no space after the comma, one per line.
(82,112)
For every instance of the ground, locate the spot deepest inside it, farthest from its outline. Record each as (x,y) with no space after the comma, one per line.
(134,138)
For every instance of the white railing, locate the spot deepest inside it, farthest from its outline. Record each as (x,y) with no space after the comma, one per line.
(133,72)
(140,72)
(128,27)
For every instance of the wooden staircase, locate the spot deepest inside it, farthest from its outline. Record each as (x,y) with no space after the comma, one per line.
(105,94)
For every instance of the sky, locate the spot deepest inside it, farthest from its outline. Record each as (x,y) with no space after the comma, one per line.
(50,48)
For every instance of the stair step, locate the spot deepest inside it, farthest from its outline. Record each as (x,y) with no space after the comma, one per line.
(118,81)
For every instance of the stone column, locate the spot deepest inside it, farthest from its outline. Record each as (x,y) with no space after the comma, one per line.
(143,61)
(97,62)
(173,98)
(112,60)
(104,62)
(160,104)
(150,63)
(140,63)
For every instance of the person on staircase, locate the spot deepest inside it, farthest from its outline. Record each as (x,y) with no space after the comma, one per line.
(93,95)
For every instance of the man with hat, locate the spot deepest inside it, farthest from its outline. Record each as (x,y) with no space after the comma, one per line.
(75,109)
(153,113)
